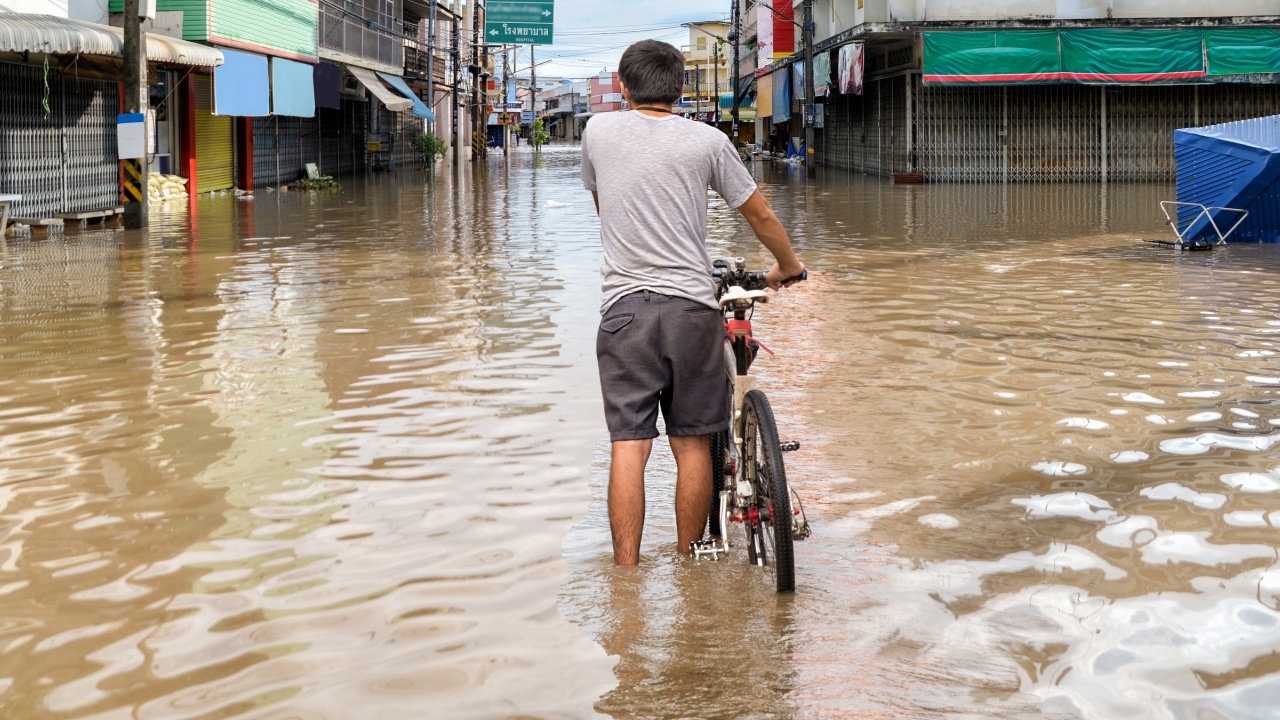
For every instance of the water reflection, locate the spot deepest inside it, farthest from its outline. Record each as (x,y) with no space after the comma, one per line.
(340,455)
(326,481)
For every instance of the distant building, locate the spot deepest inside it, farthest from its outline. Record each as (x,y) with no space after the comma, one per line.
(706,69)
(605,93)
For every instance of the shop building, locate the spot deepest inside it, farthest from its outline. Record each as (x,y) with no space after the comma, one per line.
(60,94)
(1026,90)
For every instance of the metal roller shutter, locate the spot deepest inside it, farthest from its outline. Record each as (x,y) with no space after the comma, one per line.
(215,157)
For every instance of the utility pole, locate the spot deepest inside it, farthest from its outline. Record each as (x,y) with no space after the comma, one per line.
(810,110)
(715,107)
(506,85)
(457,82)
(137,96)
(533,88)
(431,69)
(734,37)
(475,82)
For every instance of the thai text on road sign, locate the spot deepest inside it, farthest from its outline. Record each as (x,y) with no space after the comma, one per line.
(521,22)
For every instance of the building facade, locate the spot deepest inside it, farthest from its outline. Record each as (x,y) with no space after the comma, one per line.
(995,91)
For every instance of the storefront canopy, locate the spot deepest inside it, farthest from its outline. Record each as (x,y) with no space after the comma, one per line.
(20,32)
(293,89)
(420,109)
(242,85)
(1099,55)
(370,81)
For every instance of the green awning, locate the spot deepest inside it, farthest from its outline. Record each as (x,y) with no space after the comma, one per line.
(1099,55)
(1002,56)
(1243,51)
(1132,55)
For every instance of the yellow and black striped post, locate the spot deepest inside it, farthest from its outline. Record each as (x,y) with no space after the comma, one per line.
(132,188)
(133,192)
(477,146)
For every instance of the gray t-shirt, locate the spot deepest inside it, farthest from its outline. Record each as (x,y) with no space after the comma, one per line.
(652,175)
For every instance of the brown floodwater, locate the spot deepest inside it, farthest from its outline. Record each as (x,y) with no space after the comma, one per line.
(341,455)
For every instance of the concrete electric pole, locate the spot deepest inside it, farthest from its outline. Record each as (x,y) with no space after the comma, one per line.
(431,69)
(137,96)
(734,37)
(457,85)
(810,110)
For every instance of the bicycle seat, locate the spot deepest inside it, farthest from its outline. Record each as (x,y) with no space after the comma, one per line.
(736,294)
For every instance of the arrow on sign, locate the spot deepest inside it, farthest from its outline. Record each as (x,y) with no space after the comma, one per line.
(546,13)
(493,32)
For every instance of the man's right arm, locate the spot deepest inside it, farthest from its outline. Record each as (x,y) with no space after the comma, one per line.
(764,223)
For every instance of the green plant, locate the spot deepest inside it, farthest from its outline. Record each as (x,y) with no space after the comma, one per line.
(538,135)
(429,146)
(319,182)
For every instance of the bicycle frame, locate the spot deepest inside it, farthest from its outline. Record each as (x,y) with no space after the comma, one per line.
(738,501)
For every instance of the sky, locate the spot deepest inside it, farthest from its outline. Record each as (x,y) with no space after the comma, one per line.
(590,35)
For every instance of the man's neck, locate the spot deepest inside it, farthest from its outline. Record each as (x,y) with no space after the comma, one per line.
(657,110)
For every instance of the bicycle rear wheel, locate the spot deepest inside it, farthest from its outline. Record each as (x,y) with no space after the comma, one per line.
(719,464)
(769,531)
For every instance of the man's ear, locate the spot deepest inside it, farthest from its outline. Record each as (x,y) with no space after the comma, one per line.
(626,94)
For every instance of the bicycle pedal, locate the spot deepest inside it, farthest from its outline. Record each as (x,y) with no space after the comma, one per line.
(789,446)
(708,549)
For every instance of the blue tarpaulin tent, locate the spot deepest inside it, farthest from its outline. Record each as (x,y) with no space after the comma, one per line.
(1232,165)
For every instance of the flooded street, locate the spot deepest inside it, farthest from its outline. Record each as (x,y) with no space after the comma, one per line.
(342,455)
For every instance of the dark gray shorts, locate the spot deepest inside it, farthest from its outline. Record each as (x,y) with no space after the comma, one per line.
(660,351)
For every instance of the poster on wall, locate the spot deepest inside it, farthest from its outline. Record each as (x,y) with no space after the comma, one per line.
(821,74)
(852,64)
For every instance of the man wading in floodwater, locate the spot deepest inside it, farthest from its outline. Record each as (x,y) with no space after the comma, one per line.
(661,336)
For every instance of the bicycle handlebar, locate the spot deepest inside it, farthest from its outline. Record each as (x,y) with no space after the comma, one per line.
(726,277)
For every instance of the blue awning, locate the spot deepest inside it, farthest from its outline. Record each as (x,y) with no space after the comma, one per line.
(293,89)
(241,85)
(420,109)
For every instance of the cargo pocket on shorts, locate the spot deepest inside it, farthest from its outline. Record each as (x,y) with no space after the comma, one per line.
(616,323)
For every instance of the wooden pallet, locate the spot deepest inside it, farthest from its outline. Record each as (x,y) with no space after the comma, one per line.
(82,219)
(43,226)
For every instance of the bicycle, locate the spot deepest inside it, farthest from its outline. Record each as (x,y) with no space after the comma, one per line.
(749,476)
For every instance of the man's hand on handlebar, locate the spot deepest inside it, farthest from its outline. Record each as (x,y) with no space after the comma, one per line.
(779,277)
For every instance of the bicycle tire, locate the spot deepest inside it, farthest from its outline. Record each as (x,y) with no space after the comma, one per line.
(719,451)
(770,484)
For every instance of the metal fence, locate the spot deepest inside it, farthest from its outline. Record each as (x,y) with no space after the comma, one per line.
(1026,133)
(355,28)
(333,140)
(57,141)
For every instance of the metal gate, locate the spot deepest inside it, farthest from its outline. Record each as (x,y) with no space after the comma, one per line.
(1027,133)
(215,147)
(57,141)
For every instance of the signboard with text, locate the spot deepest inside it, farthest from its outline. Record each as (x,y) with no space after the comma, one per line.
(519,22)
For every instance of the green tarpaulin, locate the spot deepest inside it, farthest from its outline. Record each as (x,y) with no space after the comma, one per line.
(1243,51)
(992,56)
(1116,55)
(1098,55)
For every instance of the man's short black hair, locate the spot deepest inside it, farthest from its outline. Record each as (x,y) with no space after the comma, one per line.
(653,72)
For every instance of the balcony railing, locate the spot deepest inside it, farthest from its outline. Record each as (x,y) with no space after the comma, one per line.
(415,64)
(346,32)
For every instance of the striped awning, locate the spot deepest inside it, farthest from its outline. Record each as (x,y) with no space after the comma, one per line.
(20,32)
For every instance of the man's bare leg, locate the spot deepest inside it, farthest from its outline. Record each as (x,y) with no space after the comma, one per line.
(626,498)
(693,487)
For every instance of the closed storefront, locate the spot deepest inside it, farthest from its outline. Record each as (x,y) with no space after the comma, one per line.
(57,141)
(215,166)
